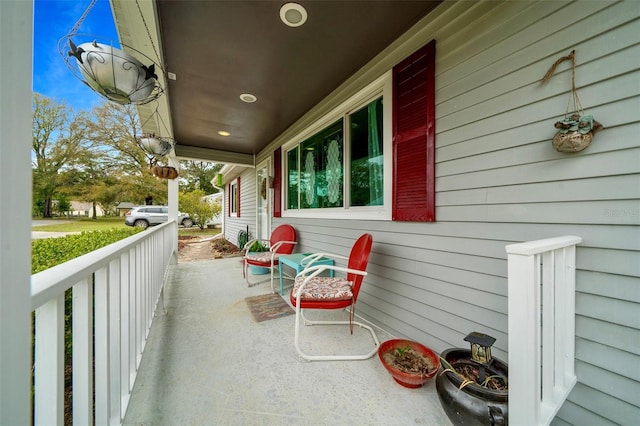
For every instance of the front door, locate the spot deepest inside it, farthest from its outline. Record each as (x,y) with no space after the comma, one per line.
(263,190)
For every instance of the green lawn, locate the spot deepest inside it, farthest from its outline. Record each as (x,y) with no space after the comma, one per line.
(82,224)
(104,223)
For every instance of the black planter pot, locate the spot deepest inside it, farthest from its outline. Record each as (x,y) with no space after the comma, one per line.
(473,405)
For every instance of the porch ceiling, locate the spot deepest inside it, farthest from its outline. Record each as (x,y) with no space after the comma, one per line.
(219,50)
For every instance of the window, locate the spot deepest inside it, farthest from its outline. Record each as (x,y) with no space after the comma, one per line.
(340,169)
(373,157)
(234,198)
(367,165)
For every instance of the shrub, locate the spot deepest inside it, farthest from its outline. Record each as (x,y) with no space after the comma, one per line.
(49,252)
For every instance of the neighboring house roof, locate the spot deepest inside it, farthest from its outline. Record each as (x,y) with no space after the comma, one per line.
(213,197)
(83,206)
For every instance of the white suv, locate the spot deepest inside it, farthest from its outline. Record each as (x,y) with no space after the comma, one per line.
(145,216)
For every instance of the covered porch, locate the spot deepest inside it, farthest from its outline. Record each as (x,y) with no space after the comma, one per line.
(207,361)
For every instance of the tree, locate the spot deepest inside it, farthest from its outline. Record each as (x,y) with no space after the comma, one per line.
(59,143)
(63,206)
(127,175)
(198,175)
(199,209)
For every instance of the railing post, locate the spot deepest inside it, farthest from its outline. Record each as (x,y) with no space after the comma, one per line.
(541,302)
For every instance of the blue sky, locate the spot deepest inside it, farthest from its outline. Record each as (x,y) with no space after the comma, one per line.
(53,19)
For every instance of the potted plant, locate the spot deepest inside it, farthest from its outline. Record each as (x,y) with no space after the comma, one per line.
(257,247)
(473,386)
(409,363)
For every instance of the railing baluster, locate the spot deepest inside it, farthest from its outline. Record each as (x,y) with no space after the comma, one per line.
(133,355)
(83,352)
(548,324)
(125,386)
(49,363)
(102,346)
(114,342)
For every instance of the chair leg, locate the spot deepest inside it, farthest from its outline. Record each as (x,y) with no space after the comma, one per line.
(351,323)
(246,274)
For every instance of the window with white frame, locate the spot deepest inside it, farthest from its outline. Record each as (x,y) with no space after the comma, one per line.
(343,167)
(234,198)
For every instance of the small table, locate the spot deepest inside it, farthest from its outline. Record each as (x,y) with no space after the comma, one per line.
(293,261)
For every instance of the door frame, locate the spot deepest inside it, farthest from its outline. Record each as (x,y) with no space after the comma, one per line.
(264,165)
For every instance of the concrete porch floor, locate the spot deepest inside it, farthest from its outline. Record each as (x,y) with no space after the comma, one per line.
(207,362)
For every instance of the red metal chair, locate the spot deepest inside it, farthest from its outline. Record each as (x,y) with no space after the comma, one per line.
(282,240)
(311,291)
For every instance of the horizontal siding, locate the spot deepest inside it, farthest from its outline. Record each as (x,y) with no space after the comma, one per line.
(233,225)
(499,181)
(597,404)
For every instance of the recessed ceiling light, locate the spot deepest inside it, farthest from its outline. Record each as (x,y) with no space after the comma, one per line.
(248,98)
(293,15)
(223,133)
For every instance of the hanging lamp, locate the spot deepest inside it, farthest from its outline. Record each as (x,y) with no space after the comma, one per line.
(108,70)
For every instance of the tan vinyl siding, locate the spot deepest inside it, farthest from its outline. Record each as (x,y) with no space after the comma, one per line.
(499,181)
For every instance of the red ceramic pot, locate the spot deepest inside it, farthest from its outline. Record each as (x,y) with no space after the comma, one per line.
(408,380)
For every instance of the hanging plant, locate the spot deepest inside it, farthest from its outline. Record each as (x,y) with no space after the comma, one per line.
(576,129)
(119,76)
(164,172)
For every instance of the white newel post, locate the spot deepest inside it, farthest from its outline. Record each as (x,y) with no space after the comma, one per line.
(541,301)
(16,126)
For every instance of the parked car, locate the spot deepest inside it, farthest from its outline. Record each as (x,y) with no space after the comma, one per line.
(145,216)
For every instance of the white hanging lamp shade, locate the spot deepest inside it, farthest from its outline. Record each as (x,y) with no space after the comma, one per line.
(155,146)
(115,74)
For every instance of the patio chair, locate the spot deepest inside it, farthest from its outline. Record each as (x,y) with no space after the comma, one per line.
(282,240)
(311,291)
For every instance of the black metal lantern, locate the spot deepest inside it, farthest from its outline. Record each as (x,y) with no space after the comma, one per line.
(480,347)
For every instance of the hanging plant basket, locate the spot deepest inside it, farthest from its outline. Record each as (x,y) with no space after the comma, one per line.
(576,129)
(115,74)
(164,172)
(155,145)
(118,72)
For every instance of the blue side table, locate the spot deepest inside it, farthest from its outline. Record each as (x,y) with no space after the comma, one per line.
(293,261)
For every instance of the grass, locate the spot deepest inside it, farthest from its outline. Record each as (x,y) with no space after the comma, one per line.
(103,223)
(81,224)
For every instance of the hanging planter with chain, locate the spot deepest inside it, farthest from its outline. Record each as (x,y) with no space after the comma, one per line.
(576,129)
(111,72)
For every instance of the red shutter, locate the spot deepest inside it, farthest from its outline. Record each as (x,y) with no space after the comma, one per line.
(414,137)
(277,183)
(238,198)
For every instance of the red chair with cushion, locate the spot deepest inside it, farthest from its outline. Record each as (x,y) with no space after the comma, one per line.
(282,241)
(311,291)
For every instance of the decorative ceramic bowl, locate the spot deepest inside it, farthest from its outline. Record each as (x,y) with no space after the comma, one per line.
(409,380)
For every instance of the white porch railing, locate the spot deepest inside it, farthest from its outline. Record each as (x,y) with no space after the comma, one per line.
(116,291)
(541,277)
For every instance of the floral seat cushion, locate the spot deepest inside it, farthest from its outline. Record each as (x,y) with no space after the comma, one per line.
(324,288)
(263,257)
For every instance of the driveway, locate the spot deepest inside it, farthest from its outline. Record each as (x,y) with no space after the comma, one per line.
(47,234)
